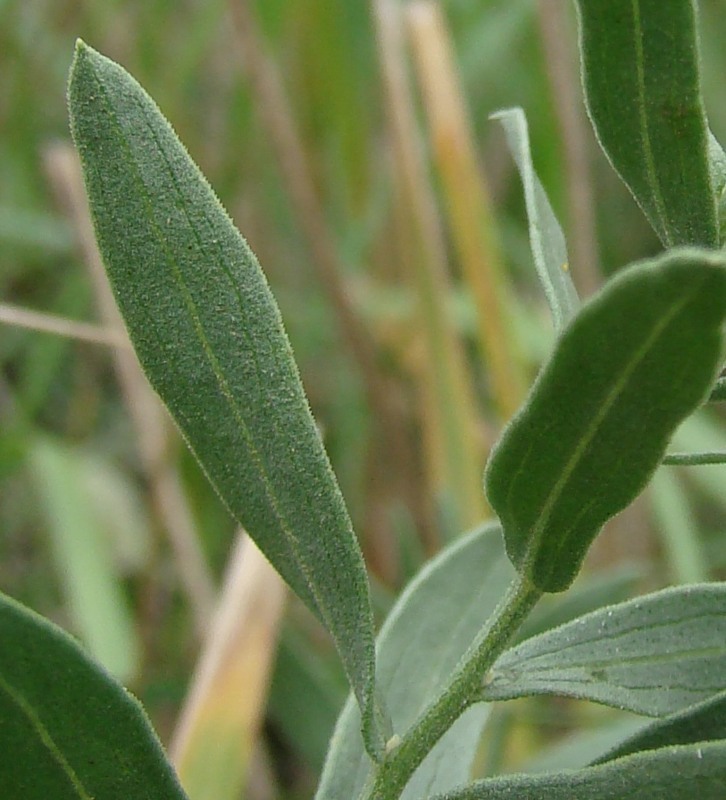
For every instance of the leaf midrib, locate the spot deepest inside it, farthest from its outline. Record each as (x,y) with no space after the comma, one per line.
(18,699)
(590,432)
(651,174)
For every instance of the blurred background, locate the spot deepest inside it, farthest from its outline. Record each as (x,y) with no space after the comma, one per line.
(350,142)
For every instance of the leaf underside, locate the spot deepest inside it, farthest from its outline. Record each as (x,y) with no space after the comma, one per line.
(655,655)
(424,637)
(672,773)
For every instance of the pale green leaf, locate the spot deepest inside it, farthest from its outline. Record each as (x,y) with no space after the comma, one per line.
(640,67)
(677,528)
(599,417)
(672,773)
(209,336)
(427,632)
(67,730)
(654,655)
(589,593)
(545,235)
(84,558)
(703,722)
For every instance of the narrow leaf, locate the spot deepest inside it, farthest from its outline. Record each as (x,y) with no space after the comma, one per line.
(637,359)
(655,655)
(640,68)
(668,774)
(545,235)
(67,730)
(208,334)
(703,722)
(84,559)
(427,632)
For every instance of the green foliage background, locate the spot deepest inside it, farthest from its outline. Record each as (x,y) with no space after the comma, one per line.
(59,393)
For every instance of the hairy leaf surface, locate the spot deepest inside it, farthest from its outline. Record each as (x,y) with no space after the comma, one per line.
(427,632)
(209,336)
(668,774)
(655,655)
(703,722)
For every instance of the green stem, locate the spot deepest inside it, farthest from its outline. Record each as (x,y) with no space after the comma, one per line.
(464,690)
(695,459)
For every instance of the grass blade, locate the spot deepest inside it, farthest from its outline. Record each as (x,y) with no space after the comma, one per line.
(654,655)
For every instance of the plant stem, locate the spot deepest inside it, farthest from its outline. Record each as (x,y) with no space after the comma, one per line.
(695,459)
(464,690)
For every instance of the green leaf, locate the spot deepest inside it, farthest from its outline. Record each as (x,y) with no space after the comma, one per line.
(209,336)
(642,85)
(427,632)
(669,774)
(637,359)
(84,558)
(703,722)
(589,593)
(677,528)
(67,730)
(717,159)
(655,655)
(545,235)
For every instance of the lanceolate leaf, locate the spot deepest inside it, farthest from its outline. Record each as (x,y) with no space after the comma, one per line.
(209,336)
(703,722)
(672,773)
(635,361)
(642,86)
(427,632)
(655,655)
(67,730)
(545,235)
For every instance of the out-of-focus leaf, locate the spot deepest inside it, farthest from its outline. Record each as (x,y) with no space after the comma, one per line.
(208,334)
(654,655)
(545,235)
(717,159)
(668,774)
(700,432)
(677,528)
(420,644)
(306,697)
(581,748)
(67,730)
(642,86)
(703,722)
(84,558)
(599,417)
(221,718)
